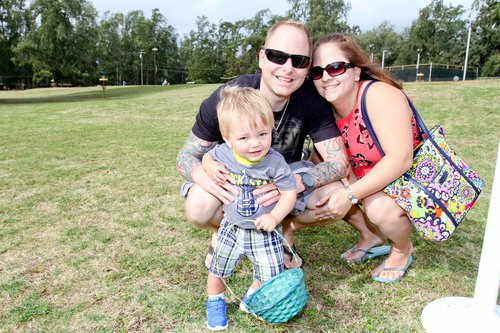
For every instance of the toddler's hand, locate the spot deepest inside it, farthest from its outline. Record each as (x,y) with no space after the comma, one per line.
(266,222)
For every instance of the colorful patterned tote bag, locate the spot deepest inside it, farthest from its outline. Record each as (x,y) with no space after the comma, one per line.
(439,189)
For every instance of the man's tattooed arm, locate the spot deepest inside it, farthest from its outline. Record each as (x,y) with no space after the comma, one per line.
(335,165)
(189,157)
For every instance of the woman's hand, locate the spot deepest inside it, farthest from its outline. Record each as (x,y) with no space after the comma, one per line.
(334,206)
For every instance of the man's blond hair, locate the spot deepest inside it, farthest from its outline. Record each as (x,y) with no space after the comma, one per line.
(296,24)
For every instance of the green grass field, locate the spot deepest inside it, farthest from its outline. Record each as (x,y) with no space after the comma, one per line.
(93,236)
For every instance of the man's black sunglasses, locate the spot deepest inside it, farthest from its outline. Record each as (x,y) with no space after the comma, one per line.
(333,69)
(278,57)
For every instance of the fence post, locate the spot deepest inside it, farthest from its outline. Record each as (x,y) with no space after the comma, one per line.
(480,313)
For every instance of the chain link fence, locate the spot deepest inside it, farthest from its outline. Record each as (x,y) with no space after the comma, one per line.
(431,72)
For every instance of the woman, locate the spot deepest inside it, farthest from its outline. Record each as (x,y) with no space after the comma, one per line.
(341,71)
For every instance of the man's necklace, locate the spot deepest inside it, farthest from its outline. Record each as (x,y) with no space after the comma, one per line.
(282,116)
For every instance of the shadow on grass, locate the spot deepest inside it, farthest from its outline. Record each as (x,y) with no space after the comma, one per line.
(65,95)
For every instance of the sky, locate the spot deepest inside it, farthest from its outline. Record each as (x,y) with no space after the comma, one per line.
(181,14)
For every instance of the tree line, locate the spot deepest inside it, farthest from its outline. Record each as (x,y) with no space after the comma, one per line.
(67,41)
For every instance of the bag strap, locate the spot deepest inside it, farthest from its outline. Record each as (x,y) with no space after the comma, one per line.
(422,129)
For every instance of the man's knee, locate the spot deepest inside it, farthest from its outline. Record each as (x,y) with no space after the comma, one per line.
(203,210)
(198,214)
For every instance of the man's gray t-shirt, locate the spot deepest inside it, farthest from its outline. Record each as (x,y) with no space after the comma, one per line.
(272,169)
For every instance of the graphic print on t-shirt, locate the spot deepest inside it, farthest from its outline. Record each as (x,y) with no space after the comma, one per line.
(286,140)
(247,203)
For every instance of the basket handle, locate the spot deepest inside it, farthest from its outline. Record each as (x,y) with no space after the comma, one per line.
(285,243)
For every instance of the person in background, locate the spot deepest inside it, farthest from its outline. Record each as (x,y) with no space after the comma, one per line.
(246,160)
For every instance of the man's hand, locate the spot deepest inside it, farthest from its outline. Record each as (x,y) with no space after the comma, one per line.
(225,192)
(215,170)
(267,195)
(300,185)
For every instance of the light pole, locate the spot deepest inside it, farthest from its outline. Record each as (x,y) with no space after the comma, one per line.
(154,59)
(383,57)
(142,77)
(430,65)
(371,50)
(467,51)
(418,63)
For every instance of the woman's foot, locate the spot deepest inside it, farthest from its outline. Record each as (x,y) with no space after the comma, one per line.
(368,254)
(358,251)
(395,266)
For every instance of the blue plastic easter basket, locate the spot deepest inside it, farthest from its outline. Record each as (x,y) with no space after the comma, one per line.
(280,298)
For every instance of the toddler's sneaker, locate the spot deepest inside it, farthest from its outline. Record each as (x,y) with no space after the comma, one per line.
(216,314)
(243,303)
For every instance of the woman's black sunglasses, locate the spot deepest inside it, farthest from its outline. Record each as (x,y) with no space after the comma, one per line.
(278,57)
(333,69)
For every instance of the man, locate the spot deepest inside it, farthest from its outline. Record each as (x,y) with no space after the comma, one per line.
(299,111)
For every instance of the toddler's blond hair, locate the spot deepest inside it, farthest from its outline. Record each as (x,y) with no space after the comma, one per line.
(243,104)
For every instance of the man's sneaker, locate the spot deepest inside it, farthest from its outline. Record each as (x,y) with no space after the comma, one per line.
(243,303)
(216,314)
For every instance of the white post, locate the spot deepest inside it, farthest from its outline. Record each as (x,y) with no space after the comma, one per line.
(481,313)
(467,52)
(383,58)
(154,49)
(140,56)
(430,71)
(488,276)
(418,63)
